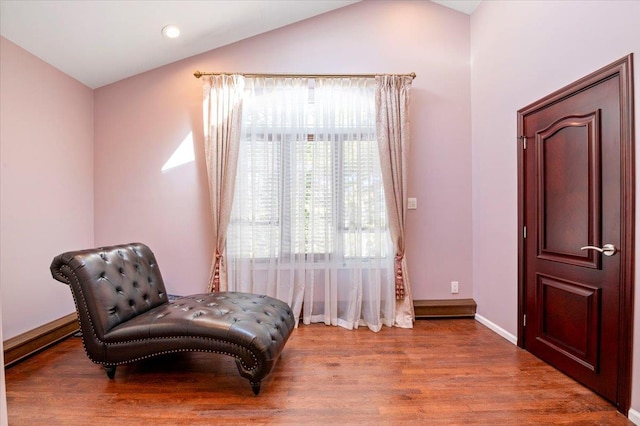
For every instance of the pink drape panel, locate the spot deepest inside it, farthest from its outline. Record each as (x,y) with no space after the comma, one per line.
(222,108)
(392,128)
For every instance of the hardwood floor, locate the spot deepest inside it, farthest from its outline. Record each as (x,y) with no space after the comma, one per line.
(453,371)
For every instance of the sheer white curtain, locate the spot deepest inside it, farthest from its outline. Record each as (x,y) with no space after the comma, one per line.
(309,223)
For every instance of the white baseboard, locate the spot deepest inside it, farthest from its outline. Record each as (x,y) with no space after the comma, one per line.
(497,329)
(634,416)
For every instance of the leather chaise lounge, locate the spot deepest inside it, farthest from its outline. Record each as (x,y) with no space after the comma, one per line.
(125,314)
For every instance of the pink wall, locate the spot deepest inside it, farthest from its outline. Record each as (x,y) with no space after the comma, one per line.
(46,185)
(520,52)
(139,122)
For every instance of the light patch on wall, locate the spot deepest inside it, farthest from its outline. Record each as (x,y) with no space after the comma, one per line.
(182,155)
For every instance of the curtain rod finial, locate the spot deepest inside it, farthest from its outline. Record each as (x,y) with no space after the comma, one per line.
(197,74)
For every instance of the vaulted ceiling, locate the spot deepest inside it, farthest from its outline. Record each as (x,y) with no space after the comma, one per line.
(100,42)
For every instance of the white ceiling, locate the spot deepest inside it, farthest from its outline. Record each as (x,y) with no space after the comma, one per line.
(99,42)
(464,6)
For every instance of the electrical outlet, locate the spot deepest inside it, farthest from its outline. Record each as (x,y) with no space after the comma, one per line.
(454,287)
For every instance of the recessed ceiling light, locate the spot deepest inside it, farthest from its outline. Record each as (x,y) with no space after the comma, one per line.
(170,31)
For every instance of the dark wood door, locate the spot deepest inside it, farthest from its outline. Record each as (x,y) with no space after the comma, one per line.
(574,205)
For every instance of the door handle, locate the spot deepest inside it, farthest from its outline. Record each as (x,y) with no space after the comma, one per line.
(607,249)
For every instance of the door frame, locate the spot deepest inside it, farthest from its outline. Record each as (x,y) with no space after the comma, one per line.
(624,69)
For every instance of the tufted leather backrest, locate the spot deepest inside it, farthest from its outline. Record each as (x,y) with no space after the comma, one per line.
(111,285)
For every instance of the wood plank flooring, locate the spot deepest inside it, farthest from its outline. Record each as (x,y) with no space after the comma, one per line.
(453,371)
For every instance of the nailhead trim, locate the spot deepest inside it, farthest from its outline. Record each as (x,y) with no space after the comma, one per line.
(235,355)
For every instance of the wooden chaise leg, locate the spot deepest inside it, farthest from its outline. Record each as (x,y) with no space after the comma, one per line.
(110,370)
(255,386)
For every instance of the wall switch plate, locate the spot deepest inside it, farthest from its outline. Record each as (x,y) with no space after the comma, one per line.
(412,203)
(454,287)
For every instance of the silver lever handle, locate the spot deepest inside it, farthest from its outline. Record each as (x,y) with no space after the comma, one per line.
(607,249)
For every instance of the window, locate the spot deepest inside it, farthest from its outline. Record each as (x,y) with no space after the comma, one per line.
(308,183)
(298,198)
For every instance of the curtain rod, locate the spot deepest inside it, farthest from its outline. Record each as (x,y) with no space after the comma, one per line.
(199,74)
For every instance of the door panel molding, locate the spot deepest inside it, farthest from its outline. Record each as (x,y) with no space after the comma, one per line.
(623,69)
(553,210)
(582,301)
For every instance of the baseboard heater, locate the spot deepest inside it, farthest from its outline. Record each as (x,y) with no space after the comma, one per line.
(25,344)
(446,308)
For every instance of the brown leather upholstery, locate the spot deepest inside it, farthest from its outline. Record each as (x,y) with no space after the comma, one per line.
(125,314)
